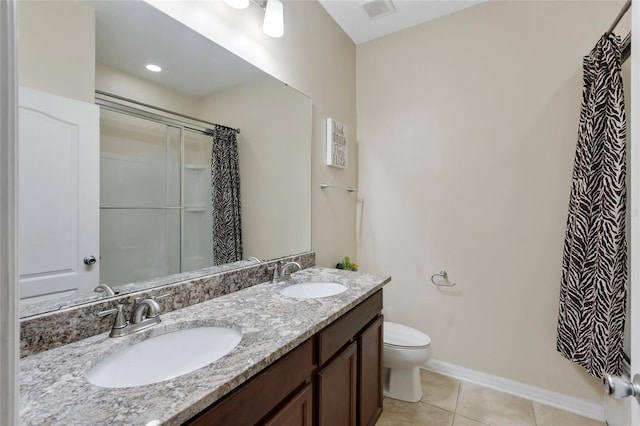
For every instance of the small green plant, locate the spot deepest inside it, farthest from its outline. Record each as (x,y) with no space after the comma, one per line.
(347,264)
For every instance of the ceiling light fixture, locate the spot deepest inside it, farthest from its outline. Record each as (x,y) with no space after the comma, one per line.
(153,68)
(273,24)
(238,4)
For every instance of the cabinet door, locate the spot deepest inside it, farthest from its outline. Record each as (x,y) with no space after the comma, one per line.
(337,383)
(297,412)
(370,373)
(255,399)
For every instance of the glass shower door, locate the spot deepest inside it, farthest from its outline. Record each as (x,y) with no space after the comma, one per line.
(197,245)
(140,198)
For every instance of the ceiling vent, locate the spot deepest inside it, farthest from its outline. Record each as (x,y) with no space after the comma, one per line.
(377,8)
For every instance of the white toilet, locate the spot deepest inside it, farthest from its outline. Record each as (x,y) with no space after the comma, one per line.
(404,350)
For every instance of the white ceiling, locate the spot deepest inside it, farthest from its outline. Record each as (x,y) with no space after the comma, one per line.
(357,24)
(131,34)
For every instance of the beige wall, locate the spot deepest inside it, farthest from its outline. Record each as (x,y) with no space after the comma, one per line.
(467,129)
(120,83)
(275,154)
(57,48)
(316,57)
(144,135)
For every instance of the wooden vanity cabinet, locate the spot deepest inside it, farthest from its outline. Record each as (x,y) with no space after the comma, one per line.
(337,389)
(297,412)
(370,373)
(272,390)
(350,367)
(334,379)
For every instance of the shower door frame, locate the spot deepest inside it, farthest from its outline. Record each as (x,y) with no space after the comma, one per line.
(136,109)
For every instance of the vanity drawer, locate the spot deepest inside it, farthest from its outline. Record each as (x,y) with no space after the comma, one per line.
(345,328)
(255,399)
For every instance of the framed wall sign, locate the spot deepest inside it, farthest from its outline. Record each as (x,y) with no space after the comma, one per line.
(336,144)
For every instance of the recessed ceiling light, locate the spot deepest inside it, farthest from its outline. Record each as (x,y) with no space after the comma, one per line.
(154,68)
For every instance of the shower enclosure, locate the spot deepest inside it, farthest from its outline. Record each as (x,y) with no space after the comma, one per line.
(155,195)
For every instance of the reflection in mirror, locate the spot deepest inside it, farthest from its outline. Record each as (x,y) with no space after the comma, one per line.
(155,174)
(140,199)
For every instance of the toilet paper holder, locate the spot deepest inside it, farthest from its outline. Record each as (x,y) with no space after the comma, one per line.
(441,279)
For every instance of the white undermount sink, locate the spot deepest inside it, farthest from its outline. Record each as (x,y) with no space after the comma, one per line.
(313,290)
(164,357)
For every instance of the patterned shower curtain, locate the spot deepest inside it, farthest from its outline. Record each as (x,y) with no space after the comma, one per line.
(225,197)
(594,263)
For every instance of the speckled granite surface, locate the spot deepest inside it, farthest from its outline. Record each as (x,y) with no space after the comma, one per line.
(31,309)
(54,329)
(53,389)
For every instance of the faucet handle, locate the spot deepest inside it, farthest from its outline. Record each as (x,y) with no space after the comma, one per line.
(274,268)
(120,321)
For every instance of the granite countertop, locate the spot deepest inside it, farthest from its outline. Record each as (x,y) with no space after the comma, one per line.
(53,388)
(78,297)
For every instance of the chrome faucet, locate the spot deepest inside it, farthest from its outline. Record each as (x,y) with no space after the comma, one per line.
(285,273)
(285,269)
(145,310)
(145,314)
(106,289)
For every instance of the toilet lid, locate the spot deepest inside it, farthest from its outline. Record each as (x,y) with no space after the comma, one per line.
(401,335)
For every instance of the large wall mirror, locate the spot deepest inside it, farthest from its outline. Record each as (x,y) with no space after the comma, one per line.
(154,173)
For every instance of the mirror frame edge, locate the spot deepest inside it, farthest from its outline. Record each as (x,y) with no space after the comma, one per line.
(9,331)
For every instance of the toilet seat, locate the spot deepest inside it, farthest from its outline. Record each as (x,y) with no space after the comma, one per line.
(404,337)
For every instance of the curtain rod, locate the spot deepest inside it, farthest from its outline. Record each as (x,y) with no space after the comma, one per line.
(624,9)
(122,98)
(626,48)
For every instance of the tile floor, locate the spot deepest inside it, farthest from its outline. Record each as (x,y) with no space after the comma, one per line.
(451,402)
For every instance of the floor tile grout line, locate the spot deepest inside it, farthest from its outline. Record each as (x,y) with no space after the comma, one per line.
(433,406)
(473,420)
(455,408)
(535,421)
(455,414)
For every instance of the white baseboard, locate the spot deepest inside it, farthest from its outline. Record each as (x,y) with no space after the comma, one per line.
(591,410)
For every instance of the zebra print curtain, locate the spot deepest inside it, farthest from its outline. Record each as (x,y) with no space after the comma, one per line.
(225,197)
(594,263)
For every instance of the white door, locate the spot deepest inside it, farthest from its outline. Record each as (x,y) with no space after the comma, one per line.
(58,208)
(626,412)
